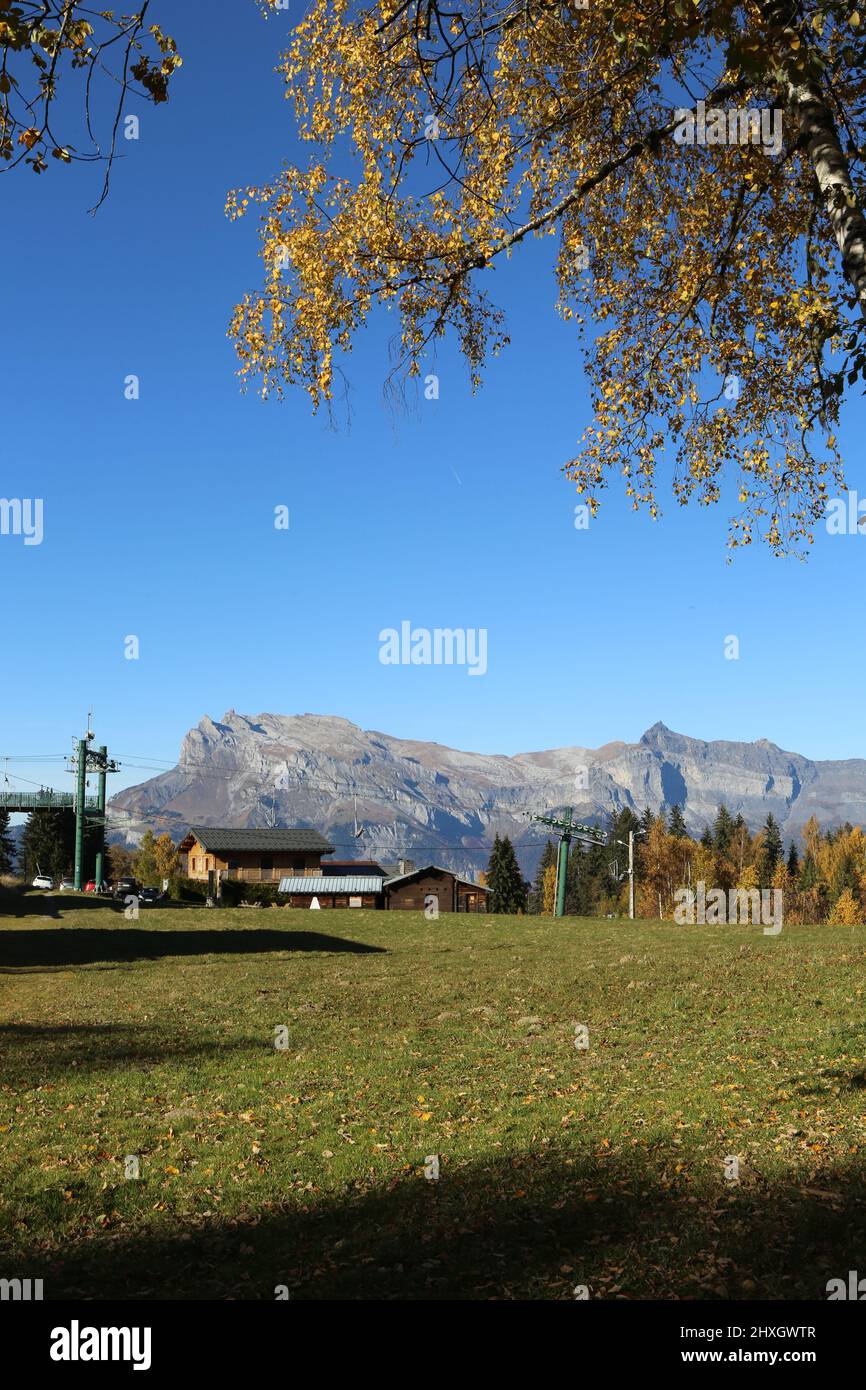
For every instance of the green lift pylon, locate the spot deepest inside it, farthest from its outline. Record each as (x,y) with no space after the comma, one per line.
(90,760)
(568,830)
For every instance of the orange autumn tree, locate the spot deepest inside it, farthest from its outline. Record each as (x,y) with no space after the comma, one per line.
(718,287)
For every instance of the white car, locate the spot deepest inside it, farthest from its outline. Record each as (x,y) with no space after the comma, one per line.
(43,881)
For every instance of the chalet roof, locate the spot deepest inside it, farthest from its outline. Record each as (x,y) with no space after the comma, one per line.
(357,866)
(434,869)
(330,883)
(216,840)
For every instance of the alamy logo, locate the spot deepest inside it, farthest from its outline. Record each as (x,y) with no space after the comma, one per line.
(854,1290)
(22,516)
(716,907)
(737,126)
(77,1343)
(21,1290)
(443,646)
(846,516)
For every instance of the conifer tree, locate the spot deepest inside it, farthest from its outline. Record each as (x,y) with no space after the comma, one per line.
(723,830)
(677,824)
(48,843)
(793,861)
(7,845)
(771,852)
(808,873)
(508,890)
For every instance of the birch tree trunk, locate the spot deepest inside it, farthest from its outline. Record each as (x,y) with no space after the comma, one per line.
(830,166)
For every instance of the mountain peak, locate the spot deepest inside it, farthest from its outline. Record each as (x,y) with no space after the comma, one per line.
(409,795)
(657,729)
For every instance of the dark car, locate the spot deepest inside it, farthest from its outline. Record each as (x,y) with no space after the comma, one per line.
(150,895)
(123,886)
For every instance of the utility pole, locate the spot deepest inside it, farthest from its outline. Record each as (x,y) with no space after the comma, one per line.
(568,830)
(631,835)
(100,853)
(80,793)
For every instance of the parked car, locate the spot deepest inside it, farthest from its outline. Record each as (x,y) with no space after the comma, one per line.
(123,886)
(150,895)
(43,881)
(90,886)
(67,885)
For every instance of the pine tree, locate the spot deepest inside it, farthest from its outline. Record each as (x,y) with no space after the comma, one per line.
(574,880)
(677,824)
(508,890)
(7,845)
(808,873)
(48,843)
(771,852)
(646,821)
(494,879)
(793,861)
(707,838)
(723,830)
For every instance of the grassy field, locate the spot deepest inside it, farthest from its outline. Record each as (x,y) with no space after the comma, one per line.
(304,1167)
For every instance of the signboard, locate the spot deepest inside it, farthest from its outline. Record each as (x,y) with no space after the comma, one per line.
(356,902)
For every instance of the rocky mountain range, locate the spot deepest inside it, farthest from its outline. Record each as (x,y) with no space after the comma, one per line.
(431,803)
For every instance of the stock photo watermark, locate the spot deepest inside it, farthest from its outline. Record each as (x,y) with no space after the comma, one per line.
(846,516)
(21,1290)
(852,1290)
(758,907)
(739,125)
(441,646)
(22,516)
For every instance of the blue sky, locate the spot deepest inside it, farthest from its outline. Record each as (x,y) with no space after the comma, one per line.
(158,513)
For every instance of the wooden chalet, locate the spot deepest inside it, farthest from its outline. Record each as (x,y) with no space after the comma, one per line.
(252,856)
(408,892)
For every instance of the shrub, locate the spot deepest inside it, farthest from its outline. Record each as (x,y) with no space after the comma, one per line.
(187,890)
(234,892)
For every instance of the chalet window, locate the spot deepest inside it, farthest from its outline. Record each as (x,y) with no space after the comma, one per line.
(234,865)
(267,861)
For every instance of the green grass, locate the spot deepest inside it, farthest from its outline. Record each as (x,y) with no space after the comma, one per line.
(305,1167)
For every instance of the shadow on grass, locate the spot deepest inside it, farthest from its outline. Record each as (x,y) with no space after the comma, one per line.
(49,947)
(533,1227)
(31,1055)
(30,902)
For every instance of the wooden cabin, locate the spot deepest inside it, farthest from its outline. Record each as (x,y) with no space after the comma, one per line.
(252,856)
(409,892)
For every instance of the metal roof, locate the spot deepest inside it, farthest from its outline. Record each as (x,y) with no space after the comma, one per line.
(215,839)
(332,883)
